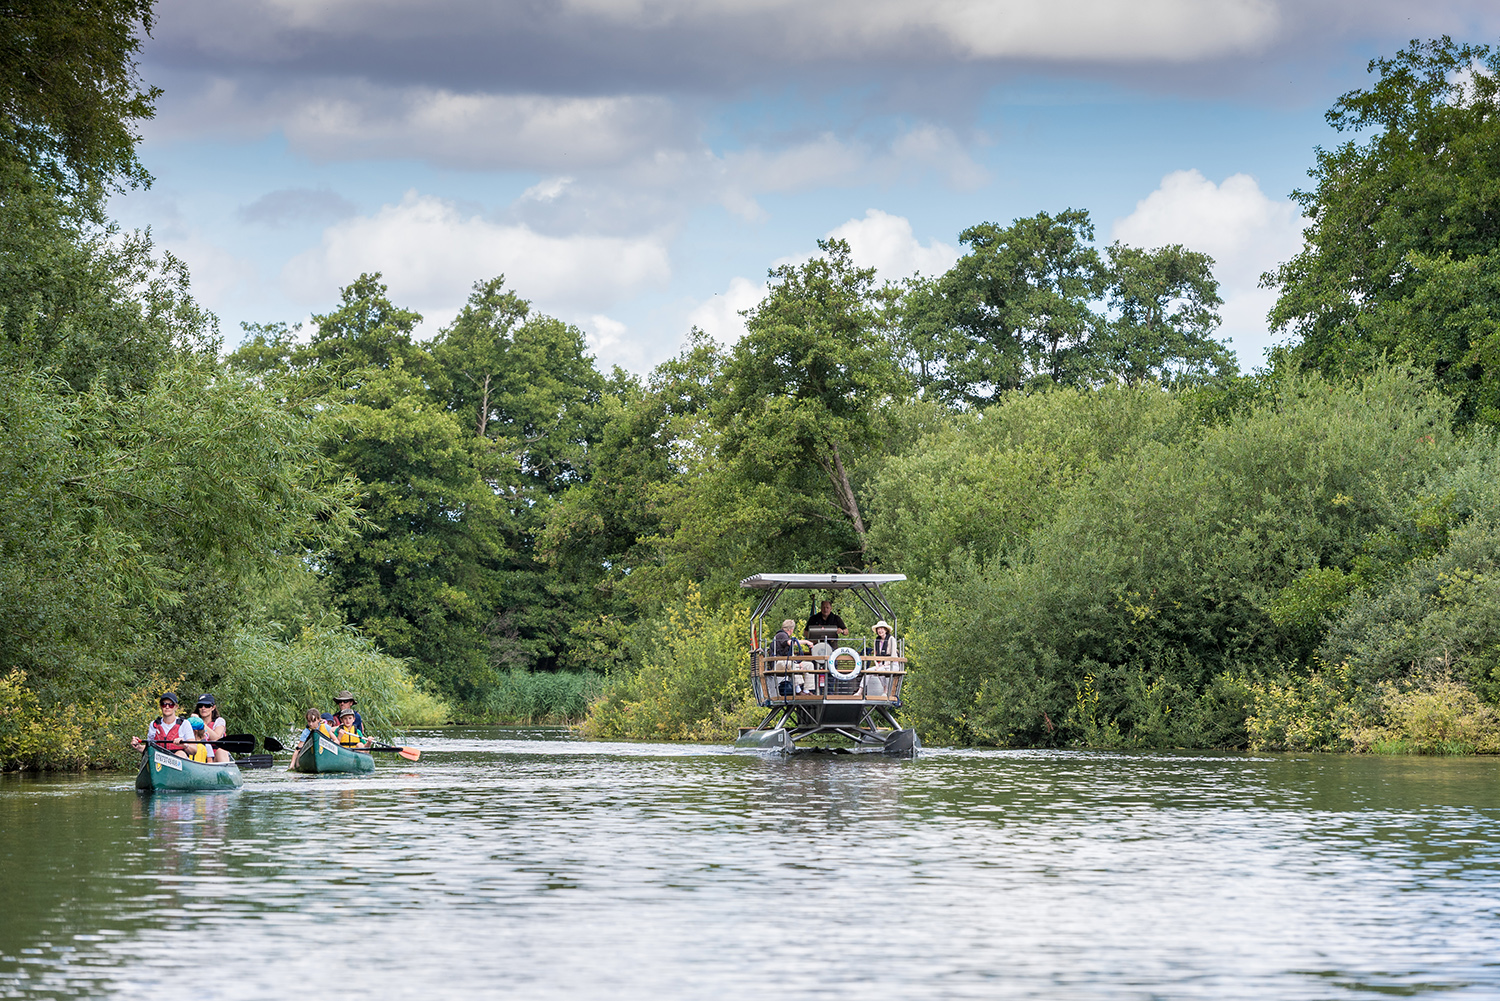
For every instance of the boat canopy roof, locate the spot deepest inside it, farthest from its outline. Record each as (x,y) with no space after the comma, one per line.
(820,581)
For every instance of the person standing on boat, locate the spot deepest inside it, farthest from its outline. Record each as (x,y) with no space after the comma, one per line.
(823,624)
(168,730)
(316,723)
(214,725)
(342,702)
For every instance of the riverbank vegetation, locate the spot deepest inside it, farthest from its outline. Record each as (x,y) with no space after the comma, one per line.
(1113,537)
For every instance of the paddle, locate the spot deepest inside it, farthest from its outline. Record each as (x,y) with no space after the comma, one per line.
(272,744)
(235,743)
(409,753)
(255,761)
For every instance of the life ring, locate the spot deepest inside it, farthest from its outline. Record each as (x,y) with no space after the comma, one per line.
(833,661)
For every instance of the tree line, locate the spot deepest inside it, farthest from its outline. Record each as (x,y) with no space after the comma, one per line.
(1113,535)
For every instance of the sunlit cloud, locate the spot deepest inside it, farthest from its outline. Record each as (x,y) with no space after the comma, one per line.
(1244,231)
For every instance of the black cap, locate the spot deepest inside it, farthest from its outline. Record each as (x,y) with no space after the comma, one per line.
(169,697)
(206,699)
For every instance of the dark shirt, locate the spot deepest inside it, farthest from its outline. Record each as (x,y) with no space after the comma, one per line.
(781,645)
(820,621)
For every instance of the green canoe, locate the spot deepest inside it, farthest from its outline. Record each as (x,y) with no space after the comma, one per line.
(326,756)
(163,771)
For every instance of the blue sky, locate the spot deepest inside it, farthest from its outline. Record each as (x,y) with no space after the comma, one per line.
(635,166)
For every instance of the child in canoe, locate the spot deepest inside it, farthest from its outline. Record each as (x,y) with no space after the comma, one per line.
(315,724)
(348,733)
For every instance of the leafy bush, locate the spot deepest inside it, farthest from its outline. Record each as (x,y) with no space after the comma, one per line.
(270,684)
(79,735)
(1312,713)
(1442,716)
(693,683)
(1181,559)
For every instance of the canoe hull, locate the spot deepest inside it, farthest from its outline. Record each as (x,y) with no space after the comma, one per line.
(163,771)
(327,757)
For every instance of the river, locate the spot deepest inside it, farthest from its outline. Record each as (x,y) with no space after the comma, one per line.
(525,864)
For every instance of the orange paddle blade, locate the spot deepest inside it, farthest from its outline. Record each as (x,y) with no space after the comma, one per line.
(410,753)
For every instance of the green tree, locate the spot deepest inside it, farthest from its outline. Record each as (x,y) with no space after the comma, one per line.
(1164,302)
(1018,306)
(808,386)
(1420,189)
(70,95)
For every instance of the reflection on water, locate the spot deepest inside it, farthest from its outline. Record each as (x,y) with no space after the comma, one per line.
(525,864)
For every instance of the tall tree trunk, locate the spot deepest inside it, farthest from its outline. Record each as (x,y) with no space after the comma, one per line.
(845,493)
(484,405)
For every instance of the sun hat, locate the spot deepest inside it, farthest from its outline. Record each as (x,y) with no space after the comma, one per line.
(346,696)
(884,623)
(195,722)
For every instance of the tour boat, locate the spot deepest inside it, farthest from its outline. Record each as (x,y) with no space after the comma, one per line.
(850,692)
(163,771)
(322,756)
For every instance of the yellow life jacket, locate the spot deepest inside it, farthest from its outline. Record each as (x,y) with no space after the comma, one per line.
(350,737)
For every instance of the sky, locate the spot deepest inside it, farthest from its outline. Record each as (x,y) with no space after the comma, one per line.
(636,166)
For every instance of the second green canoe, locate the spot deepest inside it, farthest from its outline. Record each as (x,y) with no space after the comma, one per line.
(326,756)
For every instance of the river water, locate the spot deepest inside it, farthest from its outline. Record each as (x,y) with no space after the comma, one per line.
(525,864)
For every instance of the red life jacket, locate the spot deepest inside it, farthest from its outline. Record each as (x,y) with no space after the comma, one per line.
(160,735)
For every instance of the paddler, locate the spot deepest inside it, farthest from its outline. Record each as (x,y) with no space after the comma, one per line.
(168,730)
(315,724)
(348,734)
(343,702)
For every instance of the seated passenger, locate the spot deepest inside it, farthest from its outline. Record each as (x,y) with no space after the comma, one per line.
(315,724)
(878,686)
(348,734)
(197,749)
(214,726)
(168,730)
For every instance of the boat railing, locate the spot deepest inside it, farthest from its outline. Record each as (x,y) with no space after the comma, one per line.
(880,679)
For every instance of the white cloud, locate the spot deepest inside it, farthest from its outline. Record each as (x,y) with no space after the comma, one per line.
(431,254)
(1246,233)
(885,242)
(720,318)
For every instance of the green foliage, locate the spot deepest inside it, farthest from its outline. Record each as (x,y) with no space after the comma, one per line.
(1315,712)
(1164,302)
(983,483)
(1170,557)
(1397,262)
(1441,716)
(693,683)
(268,684)
(69,90)
(523,698)
(1022,310)
(133,519)
(79,733)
